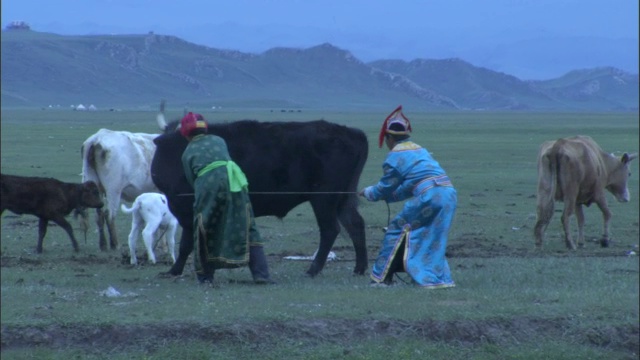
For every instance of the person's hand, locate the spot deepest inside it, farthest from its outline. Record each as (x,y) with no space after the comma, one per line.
(361,192)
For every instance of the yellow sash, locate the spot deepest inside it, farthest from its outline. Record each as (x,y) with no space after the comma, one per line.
(237,179)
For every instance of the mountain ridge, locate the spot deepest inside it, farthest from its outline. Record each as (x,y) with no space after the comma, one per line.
(129,70)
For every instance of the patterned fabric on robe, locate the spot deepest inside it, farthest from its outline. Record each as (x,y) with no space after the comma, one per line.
(224,225)
(422,226)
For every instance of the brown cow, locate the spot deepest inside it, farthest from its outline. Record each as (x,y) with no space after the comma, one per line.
(48,199)
(576,171)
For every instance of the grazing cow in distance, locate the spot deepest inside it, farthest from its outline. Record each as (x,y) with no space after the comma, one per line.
(577,171)
(286,164)
(151,210)
(119,162)
(49,199)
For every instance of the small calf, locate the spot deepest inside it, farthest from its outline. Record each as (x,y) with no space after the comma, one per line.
(49,199)
(151,209)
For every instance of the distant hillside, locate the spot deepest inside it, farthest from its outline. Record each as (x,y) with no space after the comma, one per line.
(39,69)
(594,88)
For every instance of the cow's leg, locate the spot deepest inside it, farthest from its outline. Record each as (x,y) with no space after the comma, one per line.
(353,223)
(133,239)
(170,237)
(327,218)
(100,219)
(113,234)
(63,223)
(147,237)
(566,222)
(42,231)
(580,218)
(186,247)
(606,215)
(539,230)
(113,205)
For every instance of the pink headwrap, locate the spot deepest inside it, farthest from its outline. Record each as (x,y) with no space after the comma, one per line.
(191,122)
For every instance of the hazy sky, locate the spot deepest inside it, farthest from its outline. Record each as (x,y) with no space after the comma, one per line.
(370,29)
(609,18)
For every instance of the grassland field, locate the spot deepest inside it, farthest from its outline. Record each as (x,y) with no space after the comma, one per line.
(510,301)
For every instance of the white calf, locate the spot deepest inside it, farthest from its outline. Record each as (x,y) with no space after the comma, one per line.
(151,209)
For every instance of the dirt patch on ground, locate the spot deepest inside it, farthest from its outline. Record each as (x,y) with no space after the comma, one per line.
(310,332)
(482,247)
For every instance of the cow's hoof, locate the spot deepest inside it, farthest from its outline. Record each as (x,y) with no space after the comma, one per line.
(604,243)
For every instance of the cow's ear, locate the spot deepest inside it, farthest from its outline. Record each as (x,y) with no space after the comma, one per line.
(628,157)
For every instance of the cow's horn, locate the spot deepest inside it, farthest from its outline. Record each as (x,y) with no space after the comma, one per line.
(162,104)
(162,123)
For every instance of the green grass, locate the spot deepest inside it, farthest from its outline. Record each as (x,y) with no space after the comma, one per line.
(510,301)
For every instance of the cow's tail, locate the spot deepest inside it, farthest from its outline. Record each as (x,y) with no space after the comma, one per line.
(160,118)
(89,173)
(90,152)
(547,186)
(547,182)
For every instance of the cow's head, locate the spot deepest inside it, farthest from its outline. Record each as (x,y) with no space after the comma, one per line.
(618,178)
(90,196)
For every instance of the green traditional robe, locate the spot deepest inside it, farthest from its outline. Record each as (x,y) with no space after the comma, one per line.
(224,225)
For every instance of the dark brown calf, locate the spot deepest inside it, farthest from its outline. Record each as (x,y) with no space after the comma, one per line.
(48,199)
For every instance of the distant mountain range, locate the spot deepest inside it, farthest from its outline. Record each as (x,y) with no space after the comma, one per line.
(41,69)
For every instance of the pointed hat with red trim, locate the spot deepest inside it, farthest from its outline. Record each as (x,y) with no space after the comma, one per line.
(396,117)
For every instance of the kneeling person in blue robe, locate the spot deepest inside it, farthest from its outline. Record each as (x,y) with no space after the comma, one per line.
(416,238)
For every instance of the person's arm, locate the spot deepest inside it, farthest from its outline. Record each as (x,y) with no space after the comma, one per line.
(404,191)
(187,167)
(385,188)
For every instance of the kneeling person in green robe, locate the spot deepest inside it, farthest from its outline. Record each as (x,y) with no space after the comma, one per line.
(224,230)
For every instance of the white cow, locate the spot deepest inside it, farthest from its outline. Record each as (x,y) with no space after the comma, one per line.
(151,209)
(119,162)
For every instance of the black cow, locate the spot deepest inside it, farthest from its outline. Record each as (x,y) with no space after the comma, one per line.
(317,161)
(48,199)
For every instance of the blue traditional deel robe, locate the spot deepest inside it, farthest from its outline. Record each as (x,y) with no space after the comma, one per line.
(422,226)
(224,225)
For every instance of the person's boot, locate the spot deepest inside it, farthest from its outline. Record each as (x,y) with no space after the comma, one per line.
(206,277)
(258,266)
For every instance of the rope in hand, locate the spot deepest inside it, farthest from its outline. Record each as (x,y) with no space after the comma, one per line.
(290,193)
(160,238)
(314,193)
